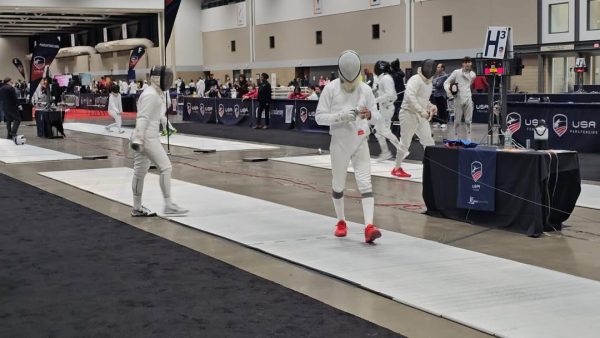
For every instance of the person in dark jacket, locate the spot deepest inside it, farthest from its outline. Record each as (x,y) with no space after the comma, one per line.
(398,77)
(8,97)
(264,101)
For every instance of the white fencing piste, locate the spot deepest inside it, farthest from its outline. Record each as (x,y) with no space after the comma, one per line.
(495,295)
(179,140)
(12,153)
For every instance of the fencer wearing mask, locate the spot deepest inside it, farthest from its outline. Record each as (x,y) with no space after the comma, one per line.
(347,106)
(463,103)
(115,109)
(415,113)
(386,95)
(146,144)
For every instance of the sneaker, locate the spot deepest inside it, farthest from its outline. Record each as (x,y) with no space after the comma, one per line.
(163,132)
(371,233)
(265,127)
(258,126)
(384,156)
(340,229)
(121,131)
(174,209)
(172,131)
(142,212)
(443,126)
(399,172)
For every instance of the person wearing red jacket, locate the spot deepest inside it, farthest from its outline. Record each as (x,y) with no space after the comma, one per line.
(480,84)
(252,94)
(296,94)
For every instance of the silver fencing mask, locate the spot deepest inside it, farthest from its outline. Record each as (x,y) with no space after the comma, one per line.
(19,140)
(161,77)
(349,69)
(428,68)
(382,67)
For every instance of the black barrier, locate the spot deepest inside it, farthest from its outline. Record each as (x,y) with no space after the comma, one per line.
(199,109)
(572,126)
(305,116)
(86,101)
(234,111)
(282,113)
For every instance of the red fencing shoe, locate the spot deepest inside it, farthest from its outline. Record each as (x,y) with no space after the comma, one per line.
(371,233)
(399,172)
(340,229)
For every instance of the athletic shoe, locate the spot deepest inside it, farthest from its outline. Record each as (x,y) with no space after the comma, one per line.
(340,229)
(172,131)
(142,212)
(163,132)
(371,233)
(384,156)
(443,126)
(265,127)
(399,172)
(121,131)
(174,209)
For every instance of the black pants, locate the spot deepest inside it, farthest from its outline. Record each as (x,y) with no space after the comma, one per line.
(263,106)
(442,106)
(12,124)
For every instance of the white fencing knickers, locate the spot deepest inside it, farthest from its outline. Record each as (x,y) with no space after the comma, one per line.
(153,152)
(118,121)
(343,152)
(382,126)
(411,124)
(463,107)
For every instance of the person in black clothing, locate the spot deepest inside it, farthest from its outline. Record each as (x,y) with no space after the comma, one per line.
(8,97)
(264,101)
(398,76)
(242,86)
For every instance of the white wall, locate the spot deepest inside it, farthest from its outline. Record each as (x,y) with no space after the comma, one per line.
(185,46)
(13,48)
(219,18)
(271,11)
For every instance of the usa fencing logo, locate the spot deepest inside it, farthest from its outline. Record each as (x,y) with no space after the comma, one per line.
(303,114)
(221,110)
(236,111)
(560,124)
(202,109)
(39,62)
(476,170)
(513,122)
(189,108)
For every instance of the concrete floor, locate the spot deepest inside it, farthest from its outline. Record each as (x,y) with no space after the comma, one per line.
(574,250)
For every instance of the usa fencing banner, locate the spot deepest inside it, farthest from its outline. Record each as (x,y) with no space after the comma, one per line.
(43,55)
(233,111)
(171,9)
(305,116)
(199,109)
(279,110)
(19,66)
(136,55)
(572,126)
(477,179)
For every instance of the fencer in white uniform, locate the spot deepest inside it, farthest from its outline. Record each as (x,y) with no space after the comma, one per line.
(115,109)
(463,102)
(146,144)
(386,95)
(132,87)
(347,106)
(415,113)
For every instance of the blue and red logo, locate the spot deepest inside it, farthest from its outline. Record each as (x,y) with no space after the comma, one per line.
(476,170)
(513,122)
(560,124)
(303,114)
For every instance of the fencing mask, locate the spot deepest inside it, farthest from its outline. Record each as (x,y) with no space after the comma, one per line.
(20,140)
(382,67)
(161,77)
(349,69)
(428,68)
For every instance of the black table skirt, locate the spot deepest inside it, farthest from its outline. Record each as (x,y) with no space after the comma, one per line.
(525,182)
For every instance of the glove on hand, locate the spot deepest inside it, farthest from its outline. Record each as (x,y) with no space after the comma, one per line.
(347,116)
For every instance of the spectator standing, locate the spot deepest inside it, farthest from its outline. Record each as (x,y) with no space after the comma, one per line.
(264,101)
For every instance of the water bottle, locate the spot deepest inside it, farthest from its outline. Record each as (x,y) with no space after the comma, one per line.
(507,139)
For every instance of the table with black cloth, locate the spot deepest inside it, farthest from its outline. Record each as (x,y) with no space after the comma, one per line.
(46,119)
(525,182)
